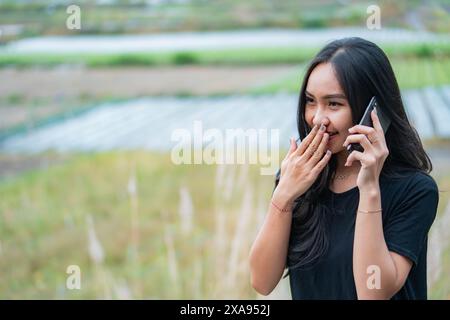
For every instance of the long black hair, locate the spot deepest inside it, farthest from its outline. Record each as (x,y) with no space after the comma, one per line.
(363,70)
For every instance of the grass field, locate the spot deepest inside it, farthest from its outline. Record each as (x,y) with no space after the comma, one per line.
(411,73)
(153,245)
(232,57)
(138,227)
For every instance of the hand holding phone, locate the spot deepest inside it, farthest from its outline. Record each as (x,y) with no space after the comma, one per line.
(366,120)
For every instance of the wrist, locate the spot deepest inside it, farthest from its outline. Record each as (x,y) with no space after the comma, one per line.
(371,190)
(282,200)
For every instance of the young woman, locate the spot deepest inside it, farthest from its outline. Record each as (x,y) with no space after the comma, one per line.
(349,225)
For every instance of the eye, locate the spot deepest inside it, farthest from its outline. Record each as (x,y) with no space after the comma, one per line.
(309,100)
(334,104)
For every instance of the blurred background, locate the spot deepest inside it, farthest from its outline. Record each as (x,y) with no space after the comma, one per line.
(88,106)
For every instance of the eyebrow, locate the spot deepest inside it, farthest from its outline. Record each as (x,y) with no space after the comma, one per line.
(329,96)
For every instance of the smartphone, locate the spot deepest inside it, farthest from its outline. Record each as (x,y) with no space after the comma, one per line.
(366,120)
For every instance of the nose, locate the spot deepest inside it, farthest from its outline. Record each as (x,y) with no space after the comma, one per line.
(318,120)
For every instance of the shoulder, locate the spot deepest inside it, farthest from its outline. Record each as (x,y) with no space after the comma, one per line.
(410,180)
(411,189)
(423,180)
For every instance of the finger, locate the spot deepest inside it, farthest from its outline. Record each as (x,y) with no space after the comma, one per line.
(292,146)
(376,121)
(321,164)
(312,147)
(318,154)
(365,159)
(309,138)
(358,138)
(369,131)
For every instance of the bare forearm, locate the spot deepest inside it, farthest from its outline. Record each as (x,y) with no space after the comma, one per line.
(371,256)
(269,251)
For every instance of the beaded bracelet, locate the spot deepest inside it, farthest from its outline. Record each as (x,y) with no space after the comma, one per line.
(369,211)
(279,209)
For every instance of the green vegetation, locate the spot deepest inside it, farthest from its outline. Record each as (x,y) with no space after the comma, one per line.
(234,57)
(411,73)
(44,228)
(45,17)
(116,17)
(254,56)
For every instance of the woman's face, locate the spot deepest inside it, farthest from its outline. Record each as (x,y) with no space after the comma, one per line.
(326,103)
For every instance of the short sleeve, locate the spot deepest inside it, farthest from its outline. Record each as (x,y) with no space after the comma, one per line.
(407,226)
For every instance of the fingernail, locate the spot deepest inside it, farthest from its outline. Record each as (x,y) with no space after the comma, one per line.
(375,109)
(328,152)
(322,127)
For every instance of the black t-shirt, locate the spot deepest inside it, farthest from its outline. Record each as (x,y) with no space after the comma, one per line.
(409,207)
